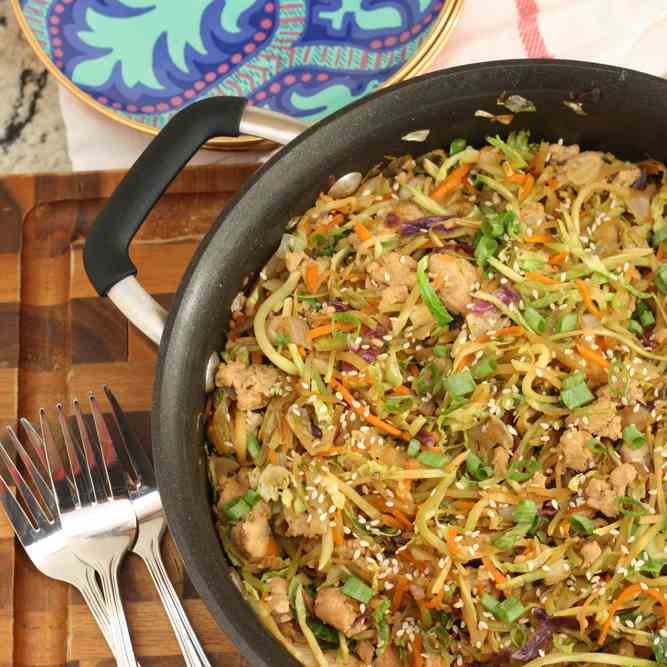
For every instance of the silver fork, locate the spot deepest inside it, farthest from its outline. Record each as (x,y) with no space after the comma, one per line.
(96,514)
(43,537)
(147,506)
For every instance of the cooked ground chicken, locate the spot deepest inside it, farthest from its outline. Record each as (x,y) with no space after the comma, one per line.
(590,552)
(278,600)
(606,238)
(394,269)
(532,215)
(304,524)
(337,609)
(232,488)
(637,415)
(389,658)
(252,535)
(602,495)
(394,295)
(294,259)
(454,278)
(559,153)
(493,432)
(252,384)
(582,169)
(500,460)
(640,457)
(492,320)
(599,418)
(575,452)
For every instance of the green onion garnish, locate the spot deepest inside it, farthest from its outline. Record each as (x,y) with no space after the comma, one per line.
(355,588)
(432,459)
(251,497)
(486,366)
(567,323)
(525,512)
(460,384)
(414,447)
(635,328)
(534,320)
(659,235)
(430,296)
(236,509)
(486,247)
(633,437)
(477,469)
(573,380)
(630,507)
(507,611)
(661,278)
(576,396)
(399,403)
(510,537)
(441,351)
(581,524)
(520,471)
(254,448)
(457,146)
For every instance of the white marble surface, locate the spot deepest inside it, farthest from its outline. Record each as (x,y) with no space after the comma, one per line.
(32,133)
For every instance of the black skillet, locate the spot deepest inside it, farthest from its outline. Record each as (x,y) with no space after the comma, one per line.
(628,117)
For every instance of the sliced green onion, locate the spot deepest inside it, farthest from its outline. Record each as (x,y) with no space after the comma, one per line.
(509,610)
(635,328)
(531,264)
(633,437)
(630,507)
(521,471)
(596,446)
(382,626)
(513,156)
(576,396)
(461,384)
(573,380)
(510,537)
(486,366)
(324,633)
(486,247)
(661,278)
(254,448)
(567,323)
(660,645)
(281,340)
(430,296)
(525,511)
(399,403)
(251,497)
(457,146)
(236,509)
(441,351)
(651,567)
(659,235)
(535,321)
(646,318)
(432,459)
(414,447)
(477,469)
(355,588)
(489,602)
(581,524)
(492,225)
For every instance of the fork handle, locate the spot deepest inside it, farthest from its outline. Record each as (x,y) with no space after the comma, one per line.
(192,650)
(120,633)
(92,595)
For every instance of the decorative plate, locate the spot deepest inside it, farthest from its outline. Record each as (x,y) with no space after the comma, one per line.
(140,61)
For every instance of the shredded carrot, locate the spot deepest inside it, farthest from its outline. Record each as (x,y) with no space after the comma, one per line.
(311,277)
(337,219)
(331,451)
(464,504)
(401,390)
(538,277)
(539,238)
(453,547)
(256,357)
(587,299)
(602,343)
(553,184)
(284,430)
(495,573)
(272,455)
(625,595)
(464,362)
(417,657)
(412,367)
(660,255)
(400,517)
(436,600)
(390,521)
(371,419)
(338,528)
(516,178)
(453,180)
(362,233)
(326,329)
(593,356)
(527,187)
(506,331)
(397,598)
(558,259)
(273,548)
(302,351)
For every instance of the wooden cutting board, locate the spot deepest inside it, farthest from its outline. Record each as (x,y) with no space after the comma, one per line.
(58,340)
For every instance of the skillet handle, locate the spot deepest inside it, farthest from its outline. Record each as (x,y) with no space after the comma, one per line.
(106,257)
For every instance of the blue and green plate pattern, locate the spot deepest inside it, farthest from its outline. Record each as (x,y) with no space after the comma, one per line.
(144,60)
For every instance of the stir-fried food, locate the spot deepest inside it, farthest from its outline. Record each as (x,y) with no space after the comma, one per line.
(437,436)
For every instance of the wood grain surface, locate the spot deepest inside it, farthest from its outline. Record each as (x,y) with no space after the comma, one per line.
(58,340)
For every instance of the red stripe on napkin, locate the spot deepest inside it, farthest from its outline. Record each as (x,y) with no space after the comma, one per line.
(529,29)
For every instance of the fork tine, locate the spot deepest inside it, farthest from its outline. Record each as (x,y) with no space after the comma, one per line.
(141,468)
(80,472)
(92,456)
(115,470)
(45,493)
(22,525)
(65,491)
(40,519)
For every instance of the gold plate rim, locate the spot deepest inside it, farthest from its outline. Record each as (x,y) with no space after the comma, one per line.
(421,59)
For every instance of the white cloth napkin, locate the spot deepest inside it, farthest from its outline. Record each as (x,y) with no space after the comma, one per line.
(629,33)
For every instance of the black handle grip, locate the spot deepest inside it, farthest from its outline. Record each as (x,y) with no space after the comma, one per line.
(105,254)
